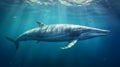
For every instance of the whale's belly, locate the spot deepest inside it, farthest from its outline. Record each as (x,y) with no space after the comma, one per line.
(57,38)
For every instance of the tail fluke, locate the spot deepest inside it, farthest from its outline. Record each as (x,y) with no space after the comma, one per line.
(14,41)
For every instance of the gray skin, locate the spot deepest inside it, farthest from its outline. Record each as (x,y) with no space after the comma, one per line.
(60,33)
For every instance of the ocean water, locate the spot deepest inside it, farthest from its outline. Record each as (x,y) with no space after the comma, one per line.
(19,16)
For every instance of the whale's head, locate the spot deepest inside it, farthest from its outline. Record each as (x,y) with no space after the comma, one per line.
(88,32)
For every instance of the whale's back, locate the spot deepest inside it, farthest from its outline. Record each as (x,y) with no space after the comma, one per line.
(49,32)
(57,29)
(57,32)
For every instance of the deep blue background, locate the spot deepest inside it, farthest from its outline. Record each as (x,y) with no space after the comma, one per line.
(97,52)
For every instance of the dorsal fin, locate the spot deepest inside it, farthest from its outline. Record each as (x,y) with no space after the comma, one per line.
(40,24)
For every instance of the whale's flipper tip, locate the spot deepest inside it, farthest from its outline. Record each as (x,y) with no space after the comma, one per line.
(14,41)
(70,44)
(64,48)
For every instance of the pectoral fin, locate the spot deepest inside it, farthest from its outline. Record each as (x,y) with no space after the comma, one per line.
(70,44)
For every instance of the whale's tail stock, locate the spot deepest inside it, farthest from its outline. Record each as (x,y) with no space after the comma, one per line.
(16,43)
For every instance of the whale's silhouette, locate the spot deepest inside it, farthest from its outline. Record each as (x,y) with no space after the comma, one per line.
(59,33)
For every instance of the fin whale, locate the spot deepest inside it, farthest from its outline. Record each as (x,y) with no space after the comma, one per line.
(58,33)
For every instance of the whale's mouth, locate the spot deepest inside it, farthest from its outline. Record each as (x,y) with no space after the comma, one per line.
(100,33)
(104,32)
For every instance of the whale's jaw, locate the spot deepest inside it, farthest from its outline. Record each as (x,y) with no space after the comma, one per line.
(100,33)
(93,32)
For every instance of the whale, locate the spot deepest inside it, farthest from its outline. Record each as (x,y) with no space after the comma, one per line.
(70,33)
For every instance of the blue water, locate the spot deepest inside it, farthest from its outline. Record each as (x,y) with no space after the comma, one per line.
(97,52)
